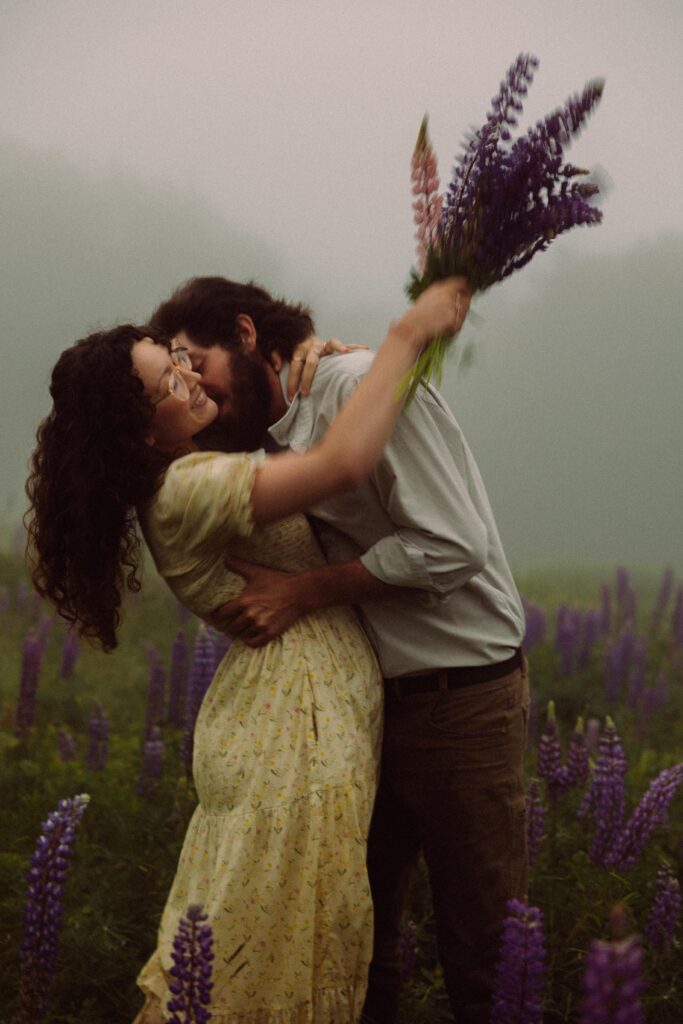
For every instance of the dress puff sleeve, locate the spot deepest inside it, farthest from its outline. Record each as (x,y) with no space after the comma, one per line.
(203,503)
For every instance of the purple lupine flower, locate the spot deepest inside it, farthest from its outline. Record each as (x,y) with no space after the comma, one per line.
(593,736)
(151,764)
(506,202)
(605,799)
(665,913)
(566,638)
(535,820)
(636,683)
(549,759)
(677,619)
(661,692)
(663,597)
(532,724)
(482,144)
(652,700)
(156,691)
(32,657)
(622,583)
(192,956)
(177,679)
(70,650)
(43,631)
(618,657)
(536,625)
(407,946)
(201,674)
(605,609)
(626,597)
(612,983)
(576,773)
(520,975)
(98,738)
(43,912)
(589,638)
(66,745)
(651,812)
(26,598)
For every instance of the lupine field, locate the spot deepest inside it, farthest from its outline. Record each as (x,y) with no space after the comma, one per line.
(96,794)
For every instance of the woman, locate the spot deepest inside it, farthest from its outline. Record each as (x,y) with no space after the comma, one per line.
(286,741)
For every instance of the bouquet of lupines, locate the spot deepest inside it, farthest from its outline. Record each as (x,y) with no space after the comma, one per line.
(507,199)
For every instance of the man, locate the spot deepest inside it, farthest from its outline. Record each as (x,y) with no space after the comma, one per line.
(417,548)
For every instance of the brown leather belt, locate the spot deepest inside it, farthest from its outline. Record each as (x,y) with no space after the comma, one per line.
(452,678)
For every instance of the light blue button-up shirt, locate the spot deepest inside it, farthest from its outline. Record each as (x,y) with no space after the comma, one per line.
(423,520)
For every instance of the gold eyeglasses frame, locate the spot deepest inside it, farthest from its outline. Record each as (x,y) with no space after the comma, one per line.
(177,384)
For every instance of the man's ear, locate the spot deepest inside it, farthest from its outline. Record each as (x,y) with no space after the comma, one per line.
(244,326)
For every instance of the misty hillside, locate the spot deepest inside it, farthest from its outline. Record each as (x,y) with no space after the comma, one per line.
(574,409)
(572,406)
(79,251)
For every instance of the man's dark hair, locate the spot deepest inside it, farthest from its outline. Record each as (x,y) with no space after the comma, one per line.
(206,309)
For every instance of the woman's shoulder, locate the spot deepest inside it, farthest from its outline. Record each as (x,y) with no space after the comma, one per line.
(204,493)
(205,469)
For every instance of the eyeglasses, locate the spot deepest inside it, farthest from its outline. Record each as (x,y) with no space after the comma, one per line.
(177,384)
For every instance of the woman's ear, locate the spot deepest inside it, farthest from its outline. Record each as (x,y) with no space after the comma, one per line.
(244,326)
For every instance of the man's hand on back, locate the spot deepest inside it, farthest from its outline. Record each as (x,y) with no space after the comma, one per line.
(269,604)
(305,359)
(272,600)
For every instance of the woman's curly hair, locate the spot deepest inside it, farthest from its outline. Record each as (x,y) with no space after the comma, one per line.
(90,470)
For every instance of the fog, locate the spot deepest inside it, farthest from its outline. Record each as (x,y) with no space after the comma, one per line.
(571,401)
(144,143)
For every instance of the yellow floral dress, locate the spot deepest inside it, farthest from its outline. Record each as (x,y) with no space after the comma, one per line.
(285,764)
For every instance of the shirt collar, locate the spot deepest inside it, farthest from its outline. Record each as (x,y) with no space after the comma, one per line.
(293,429)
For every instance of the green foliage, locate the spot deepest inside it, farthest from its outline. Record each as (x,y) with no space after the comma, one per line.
(574,894)
(127,846)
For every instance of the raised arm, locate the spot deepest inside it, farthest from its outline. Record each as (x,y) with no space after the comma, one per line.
(347,454)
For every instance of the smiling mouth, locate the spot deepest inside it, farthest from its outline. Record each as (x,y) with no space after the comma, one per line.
(200,399)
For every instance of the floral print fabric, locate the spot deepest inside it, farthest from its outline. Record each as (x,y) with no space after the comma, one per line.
(285,765)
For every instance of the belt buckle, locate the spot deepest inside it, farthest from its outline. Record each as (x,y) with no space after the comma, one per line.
(400,685)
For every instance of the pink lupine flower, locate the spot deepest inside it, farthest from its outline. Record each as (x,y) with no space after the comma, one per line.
(427,207)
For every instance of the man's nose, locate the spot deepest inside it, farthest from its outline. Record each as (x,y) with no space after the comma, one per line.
(212,390)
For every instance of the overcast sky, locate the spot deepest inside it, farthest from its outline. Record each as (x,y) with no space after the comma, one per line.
(143,142)
(297,119)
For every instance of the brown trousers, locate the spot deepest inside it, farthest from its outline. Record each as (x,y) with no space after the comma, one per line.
(451,786)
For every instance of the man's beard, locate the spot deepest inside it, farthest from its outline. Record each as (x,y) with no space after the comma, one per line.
(243,427)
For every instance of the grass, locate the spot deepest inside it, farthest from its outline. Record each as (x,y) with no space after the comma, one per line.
(127,846)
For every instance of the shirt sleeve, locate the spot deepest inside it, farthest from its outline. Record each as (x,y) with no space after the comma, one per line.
(437,540)
(440,541)
(204,502)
